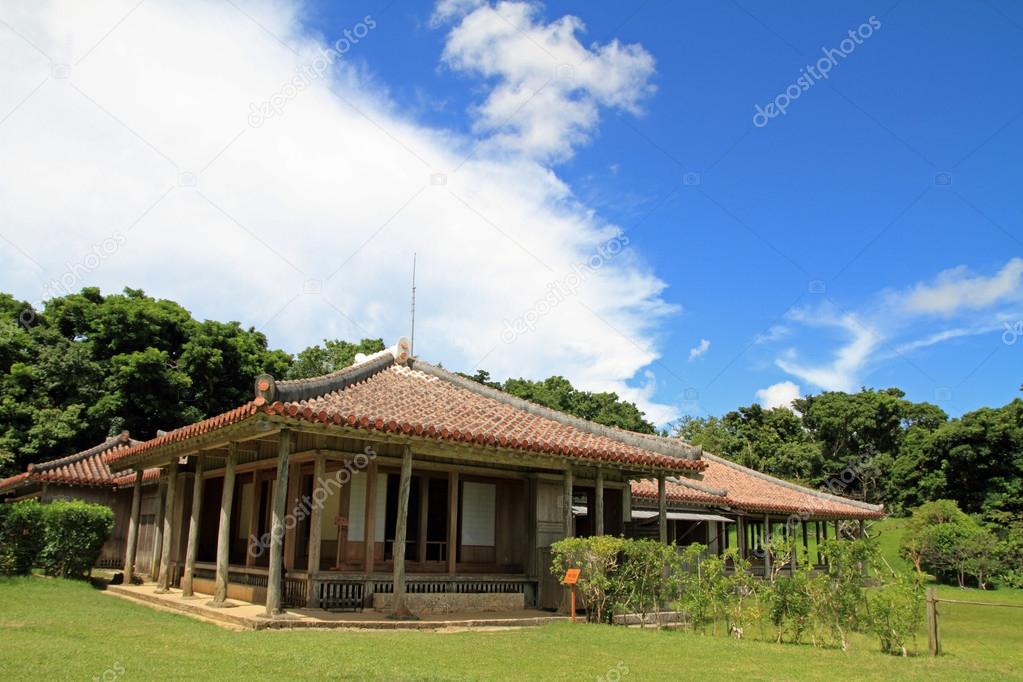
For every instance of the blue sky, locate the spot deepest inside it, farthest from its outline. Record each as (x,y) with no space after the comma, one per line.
(865,237)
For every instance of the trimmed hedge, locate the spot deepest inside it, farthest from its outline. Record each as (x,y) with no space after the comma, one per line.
(75,533)
(21,536)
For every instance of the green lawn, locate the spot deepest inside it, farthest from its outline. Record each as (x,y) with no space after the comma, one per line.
(52,629)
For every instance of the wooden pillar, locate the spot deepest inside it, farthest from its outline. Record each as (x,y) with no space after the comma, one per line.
(292,506)
(424,508)
(161,504)
(662,509)
(567,511)
(280,508)
(766,546)
(806,543)
(224,530)
(399,606)
(253,549)
(193,528)
(133,528)
(740,535)
(319,495)
(452,522)
(370,530)
(933,637)
(163,583)
(838,530)
(598,507)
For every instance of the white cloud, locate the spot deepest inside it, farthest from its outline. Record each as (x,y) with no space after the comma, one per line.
(699,350)
(305,225)
(775,333)
(548,87)
(896,323)
(778,395)
(842,371)
(955,290)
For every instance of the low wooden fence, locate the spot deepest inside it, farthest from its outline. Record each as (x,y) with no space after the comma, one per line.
(933,633)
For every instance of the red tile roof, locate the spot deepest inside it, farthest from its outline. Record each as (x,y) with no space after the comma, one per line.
(753,491)
(384,393)
(88,467)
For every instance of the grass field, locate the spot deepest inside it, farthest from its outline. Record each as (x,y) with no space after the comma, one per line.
(51,629)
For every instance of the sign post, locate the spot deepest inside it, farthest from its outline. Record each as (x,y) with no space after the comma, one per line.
(571,578)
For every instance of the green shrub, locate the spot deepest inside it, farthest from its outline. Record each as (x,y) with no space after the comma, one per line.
(646,578)
(597,559)
(75,533)
(896,612)
(21,536)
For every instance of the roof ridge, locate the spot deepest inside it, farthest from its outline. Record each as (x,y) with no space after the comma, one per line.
(664,446)
(269,390)
(110,443)
(702,487)
(820,494)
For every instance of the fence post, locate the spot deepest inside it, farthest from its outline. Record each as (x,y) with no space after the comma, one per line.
(933,641)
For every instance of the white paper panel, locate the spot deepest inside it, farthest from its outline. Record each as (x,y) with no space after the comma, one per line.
(381,513)
(479,502)
(328,529)
(357,507)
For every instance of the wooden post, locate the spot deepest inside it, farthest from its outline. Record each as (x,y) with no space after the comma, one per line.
(370,527)
(193,529)
(452,522)
(424,509)
(319,495)
(838,530)
(598,510)
(567,511)
(161,503)
(252,549)
(292,505)
(662,509)
(765,546)
(163,583)
(224,530)
(133,528)
(280,509)
(740,535)
(933,640)
(399,605)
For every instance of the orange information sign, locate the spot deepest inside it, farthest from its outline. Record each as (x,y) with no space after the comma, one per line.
(571,576)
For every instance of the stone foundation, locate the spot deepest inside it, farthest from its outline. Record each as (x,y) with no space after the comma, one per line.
(431,604)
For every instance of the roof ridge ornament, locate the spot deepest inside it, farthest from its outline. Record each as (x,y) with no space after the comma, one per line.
(269,390)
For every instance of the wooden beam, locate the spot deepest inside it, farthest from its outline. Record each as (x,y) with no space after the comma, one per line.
(292,505)
(662,509)
(161,504)
(399,605)
(567,511)
(252,546)
(452,522)
(598,507)
(319,495)
(163,583)
(193,529)
(133,528)
(280,508)
(224,530)
(369,540)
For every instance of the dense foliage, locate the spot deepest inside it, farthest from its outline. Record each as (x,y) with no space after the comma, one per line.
(858,593)
(877,445)
(74,535)
(955,548)
(557,393)
(90,365)
(21,536)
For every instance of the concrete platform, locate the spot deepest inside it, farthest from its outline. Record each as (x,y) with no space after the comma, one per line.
(246,616)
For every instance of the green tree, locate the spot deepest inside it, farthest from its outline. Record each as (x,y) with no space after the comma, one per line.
(330,357)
